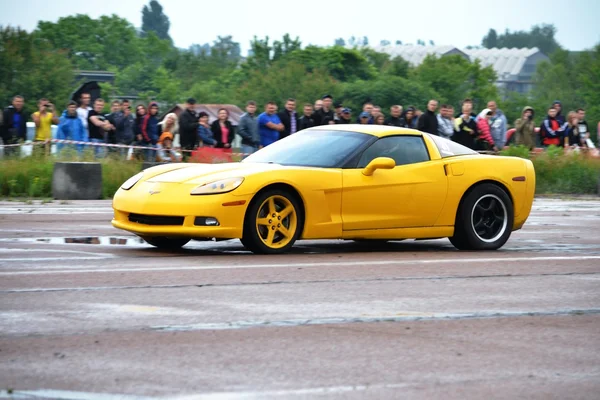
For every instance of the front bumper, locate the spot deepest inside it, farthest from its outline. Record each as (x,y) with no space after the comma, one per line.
(174,200)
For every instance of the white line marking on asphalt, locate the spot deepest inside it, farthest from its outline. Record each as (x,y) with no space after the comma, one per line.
(66,395)
(398,317)
(93,269)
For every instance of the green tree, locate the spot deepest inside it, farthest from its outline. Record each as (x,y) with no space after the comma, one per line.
(287,79)
(29,66)
(386,92)
(540,36)
(155,20)
(95,44)
(454,78)
(341,63)
(490,40)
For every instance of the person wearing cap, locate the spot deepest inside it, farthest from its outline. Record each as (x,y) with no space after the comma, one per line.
(165,151)
(338,107)
(345,115)
(324,115)
(188,128)
(364,118)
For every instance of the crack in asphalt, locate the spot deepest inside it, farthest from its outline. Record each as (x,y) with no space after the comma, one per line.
(295,282)
(416,316)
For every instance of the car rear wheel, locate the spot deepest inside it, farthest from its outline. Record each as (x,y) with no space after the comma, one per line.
(484,220)
(166,243)
(273,222)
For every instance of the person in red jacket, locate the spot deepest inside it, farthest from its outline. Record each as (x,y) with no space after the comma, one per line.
(485,140)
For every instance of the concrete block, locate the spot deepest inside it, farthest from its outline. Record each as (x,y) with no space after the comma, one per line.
(77,181)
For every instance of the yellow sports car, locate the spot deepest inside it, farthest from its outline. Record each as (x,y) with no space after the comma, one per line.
(357,182)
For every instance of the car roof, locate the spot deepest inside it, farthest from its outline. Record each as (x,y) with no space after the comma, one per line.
(375,130)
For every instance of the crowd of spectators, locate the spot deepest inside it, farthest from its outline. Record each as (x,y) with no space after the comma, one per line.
(175,137)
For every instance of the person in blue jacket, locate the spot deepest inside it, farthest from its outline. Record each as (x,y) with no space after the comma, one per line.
(70,127)
(269,125)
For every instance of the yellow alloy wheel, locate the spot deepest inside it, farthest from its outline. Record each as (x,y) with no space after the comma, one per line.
(276,221)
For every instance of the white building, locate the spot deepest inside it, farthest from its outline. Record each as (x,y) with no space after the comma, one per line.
(514,67)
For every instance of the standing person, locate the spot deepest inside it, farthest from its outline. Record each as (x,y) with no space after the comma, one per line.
(574,138)
(289,119)
(409,118)
(70,127)
(557,105)
(465,126)
(206,137)
(525,129)
(498,124)
(113,117)
(170,124)
(14,128)
(43,118)
(484,140)
(98,126)
(345,116)
(584,128)
(223,129)
(248,129)
(188,128)
(552,132)
(150,132)
(378,118)
(269,125)
(306,120)
(428,122)
(83,112)
(395,116)
(364,118)
(324,115)
(445,121)
(125,130)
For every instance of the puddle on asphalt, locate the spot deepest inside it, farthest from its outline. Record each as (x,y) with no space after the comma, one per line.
(99,240)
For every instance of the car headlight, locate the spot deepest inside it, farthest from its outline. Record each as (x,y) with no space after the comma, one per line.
(221,186)
(132,181)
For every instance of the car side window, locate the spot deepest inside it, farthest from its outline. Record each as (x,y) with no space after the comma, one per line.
(402,149)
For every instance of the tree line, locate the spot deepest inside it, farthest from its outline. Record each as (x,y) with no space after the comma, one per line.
(147,64)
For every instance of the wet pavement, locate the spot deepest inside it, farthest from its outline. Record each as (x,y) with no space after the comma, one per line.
(87,311)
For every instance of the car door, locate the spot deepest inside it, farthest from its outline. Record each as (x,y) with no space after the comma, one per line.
(412,194)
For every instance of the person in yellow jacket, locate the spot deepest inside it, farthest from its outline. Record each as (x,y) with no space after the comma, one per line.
(43,119)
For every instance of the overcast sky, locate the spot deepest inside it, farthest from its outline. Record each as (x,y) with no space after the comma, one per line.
(456,22)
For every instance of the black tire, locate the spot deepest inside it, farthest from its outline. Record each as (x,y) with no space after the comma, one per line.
(253,235)
(484,220)
(166,243)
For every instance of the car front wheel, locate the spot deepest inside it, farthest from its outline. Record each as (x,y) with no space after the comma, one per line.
(484,220)
(273,222)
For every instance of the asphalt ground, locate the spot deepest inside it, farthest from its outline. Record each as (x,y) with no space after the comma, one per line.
(90,312)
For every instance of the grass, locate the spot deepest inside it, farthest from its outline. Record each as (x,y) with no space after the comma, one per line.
(31,177)
(558,172)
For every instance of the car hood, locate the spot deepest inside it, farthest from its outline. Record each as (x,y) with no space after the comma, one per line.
(204,173)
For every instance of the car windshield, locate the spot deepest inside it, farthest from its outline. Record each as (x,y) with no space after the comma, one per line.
(313,148)
(448,148)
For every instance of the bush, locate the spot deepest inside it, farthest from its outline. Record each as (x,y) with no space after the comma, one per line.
(32,176)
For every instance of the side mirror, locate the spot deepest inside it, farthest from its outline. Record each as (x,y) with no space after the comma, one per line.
(379,163)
